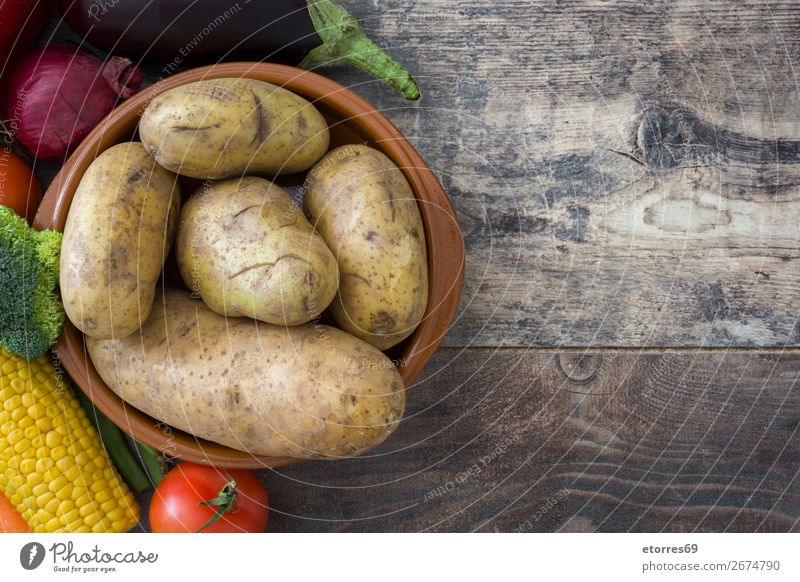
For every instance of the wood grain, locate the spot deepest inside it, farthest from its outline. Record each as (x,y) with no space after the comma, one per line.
(626,173)
(514,440)
(508,440)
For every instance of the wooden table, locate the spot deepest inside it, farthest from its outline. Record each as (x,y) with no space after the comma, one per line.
(627,178)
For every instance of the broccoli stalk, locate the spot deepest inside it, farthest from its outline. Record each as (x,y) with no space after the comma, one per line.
(31,312)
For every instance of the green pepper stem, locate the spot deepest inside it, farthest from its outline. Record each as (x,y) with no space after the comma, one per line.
(344,41)
(116,447)
(152,461)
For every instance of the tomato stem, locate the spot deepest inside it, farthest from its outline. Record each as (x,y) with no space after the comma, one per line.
(224,502)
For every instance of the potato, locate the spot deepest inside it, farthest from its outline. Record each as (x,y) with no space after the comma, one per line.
(224,128)
(307,391)
(364,208)
(245,248)
(119,230)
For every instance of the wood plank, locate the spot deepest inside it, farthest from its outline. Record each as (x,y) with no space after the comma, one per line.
(515,440)
(626,173)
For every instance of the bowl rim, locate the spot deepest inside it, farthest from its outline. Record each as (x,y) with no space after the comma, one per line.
(442,233)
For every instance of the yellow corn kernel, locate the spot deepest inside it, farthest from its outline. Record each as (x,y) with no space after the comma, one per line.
(43,465)
(70,516)
(52,439)
(27,466)
(74,474)
(54,412)
(116,513)
(57,483)
(15,436)
(40,489)
(93,518)
(80,495)
(65,492)
(83,459)
(51,506)
(103,526)
(64,463)
(86,440)
(22,446)
(35,408)
(47,399)
(103,495)
(86,509)
(34,479)
(18,385)
(53,467)
(15,401)
(66,506)
(40,515)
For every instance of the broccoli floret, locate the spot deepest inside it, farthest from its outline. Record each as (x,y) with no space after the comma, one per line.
(31,312)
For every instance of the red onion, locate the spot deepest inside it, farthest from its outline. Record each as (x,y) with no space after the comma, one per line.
(58,94)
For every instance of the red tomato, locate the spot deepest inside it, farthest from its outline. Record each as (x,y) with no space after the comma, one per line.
(190,495)
(19,187)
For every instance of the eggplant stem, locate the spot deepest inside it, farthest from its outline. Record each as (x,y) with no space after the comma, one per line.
(344,41)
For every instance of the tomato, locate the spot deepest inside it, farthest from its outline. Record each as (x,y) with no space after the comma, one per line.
(190,495)
(19,187)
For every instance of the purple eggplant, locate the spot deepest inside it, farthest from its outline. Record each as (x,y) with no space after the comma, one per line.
(306,33)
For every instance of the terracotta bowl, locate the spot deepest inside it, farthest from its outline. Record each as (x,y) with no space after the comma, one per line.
(352,120)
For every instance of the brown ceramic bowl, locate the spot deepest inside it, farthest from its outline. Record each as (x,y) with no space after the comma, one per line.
(352,120)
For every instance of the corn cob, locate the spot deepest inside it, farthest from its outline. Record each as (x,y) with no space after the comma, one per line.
(52,464)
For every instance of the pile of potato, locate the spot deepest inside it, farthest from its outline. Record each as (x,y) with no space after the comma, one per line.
(240,358)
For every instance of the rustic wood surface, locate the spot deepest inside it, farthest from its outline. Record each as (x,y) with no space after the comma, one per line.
(518,440)
(627,177)
(625,172)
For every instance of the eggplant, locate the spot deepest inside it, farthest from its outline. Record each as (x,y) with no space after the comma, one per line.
(306,33)
(20,24)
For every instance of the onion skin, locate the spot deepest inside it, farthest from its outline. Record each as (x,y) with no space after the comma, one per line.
(57,95)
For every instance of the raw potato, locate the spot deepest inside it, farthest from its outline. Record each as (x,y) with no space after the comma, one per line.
(364,208)
(246,249)
(224,128)
(308,391)
(118,232)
